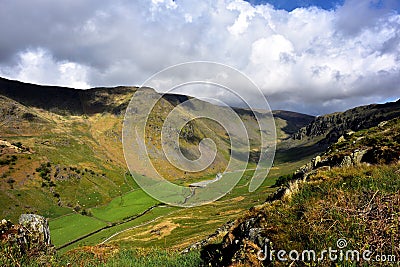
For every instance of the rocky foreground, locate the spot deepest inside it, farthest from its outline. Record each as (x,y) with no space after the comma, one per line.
(29,239)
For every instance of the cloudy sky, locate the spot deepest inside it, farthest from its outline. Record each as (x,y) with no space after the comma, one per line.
(307,56)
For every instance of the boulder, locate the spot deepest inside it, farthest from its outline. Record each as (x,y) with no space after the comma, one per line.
(38,225)
(28,241)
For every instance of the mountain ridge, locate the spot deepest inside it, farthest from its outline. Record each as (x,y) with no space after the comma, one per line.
(61,156)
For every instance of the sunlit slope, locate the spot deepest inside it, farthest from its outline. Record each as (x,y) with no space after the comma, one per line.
(63,150)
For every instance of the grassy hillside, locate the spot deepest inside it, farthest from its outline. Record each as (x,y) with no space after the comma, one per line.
(61,157)
(336,199)
(351,192)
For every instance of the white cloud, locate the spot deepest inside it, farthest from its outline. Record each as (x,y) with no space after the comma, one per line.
(38,66)
(310,60)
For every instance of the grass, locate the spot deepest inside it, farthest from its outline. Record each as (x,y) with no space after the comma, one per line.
(192,221)
(101,236)
(70,227)
(364,201)
(106,192)
(360,204)
(196,222)
(125,206)
(111,256)
(93,190)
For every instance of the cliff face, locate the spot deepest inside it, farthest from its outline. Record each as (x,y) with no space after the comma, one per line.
(332,126)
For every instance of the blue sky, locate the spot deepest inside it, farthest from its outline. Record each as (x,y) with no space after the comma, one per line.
(289,5)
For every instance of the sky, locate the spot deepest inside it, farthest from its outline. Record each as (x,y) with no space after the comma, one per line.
(314,57)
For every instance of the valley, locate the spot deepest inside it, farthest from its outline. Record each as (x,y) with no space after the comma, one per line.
(75,172)
(61,156)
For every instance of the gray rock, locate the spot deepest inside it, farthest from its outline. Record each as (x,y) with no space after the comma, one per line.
(358,155)
(38,225)
(317,160)
(255,235)
(346,162)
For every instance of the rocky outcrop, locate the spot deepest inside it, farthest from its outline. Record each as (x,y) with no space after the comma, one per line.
(30,239)
(334,125)
(38,226)
(17,148)
(221,231)
(245,236)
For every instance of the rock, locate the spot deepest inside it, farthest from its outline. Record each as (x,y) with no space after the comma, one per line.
(383,123)
(358,156)
(25,242)
(255,235)
(333,126)
(316,160)
(36,224)
(341,139)
(353,159)
(346,162)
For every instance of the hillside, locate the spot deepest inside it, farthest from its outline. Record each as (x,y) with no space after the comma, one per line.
(326,129)
(322,131)
(61,157)
(350,192)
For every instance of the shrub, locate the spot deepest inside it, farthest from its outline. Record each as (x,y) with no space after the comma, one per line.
(17,144)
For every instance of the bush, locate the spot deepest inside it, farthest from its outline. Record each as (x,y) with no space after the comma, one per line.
(77,208)
(18,144)
(44,170)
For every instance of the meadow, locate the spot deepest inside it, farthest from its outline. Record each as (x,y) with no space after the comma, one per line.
(126,220)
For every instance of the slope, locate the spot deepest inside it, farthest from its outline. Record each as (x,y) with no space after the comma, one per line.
(61,155)
(349,194)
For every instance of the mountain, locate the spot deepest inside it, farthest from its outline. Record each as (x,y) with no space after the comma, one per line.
(327,129)
(61,156)
(68,101)
(70,153)
(322,131)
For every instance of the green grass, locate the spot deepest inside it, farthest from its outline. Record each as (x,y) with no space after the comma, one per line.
(158,212)
(194,227)
(125,206)
(360,204)
(120,208)
(29,201)
(94,190)
(196,223)
(67,228)
(108,196)
(113,257)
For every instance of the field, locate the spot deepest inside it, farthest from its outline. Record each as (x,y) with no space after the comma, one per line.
(72,170)
(151,225)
